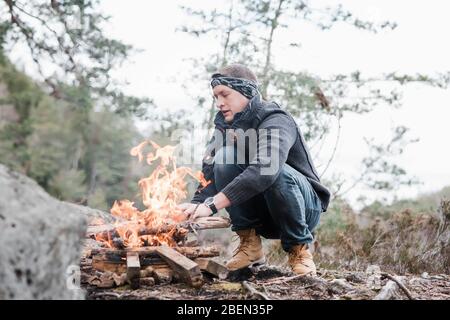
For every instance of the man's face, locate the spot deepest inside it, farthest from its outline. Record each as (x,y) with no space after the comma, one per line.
(229,101)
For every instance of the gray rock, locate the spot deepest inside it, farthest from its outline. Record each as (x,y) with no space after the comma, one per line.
(40,241)
(94,216)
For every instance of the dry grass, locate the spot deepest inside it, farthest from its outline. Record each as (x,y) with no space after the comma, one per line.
(403,243)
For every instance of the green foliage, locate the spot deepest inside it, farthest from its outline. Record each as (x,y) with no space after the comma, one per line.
(112,138)
(336,220)
(75,140)
(68,36)
(69,185)
(418,205)
(22,96)
(296,93)
(75,153)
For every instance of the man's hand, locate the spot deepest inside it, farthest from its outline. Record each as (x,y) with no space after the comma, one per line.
(202,211)
(194,210)
(187,208)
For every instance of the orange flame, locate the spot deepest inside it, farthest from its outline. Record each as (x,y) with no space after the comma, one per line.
(161,191)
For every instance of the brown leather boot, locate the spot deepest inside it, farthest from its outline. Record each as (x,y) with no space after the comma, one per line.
(249,251)
(301,260)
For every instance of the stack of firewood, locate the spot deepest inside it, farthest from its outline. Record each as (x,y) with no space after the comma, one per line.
(158,264)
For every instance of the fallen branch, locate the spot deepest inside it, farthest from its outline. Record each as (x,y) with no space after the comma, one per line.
(257,294)
(401,285)
(282,279)
(336,286)
(389,291)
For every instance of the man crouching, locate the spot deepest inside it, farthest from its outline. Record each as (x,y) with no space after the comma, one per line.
(261,171)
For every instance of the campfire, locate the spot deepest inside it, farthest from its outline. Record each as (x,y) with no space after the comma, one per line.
(152,243)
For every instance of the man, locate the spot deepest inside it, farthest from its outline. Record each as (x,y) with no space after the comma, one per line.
(270,187)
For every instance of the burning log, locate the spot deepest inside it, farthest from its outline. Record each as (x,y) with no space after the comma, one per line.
(186,269)
(199,224)
(178,232)
(189,252)
(145,238)
(162,222)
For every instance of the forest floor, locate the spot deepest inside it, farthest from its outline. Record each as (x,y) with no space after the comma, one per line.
(270,282)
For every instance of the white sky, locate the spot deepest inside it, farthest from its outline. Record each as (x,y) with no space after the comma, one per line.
(418,44)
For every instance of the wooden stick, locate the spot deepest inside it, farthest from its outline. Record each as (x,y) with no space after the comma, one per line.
(212,267)
(133,269)
(207,223)
(186,269)
(254,292)
(388,291)
(282,279)
(309,281)
(114,260)
(401,285)
(202,263)
(199,224)
(190,252)
(105,265)
(110,231)
(163,275)
(217,269)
